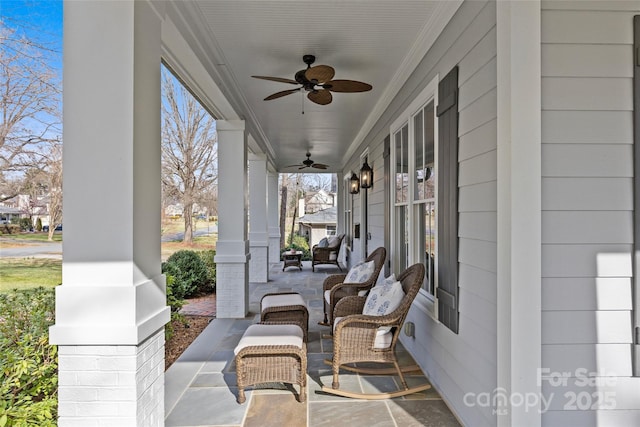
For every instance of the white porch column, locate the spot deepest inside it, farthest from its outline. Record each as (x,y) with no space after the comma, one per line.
(519,335)
(258,233)
(232,249)
(273,221)
(111,306)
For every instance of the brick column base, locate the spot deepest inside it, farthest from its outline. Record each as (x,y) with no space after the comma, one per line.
(112,385)
(232,292)
(259,265)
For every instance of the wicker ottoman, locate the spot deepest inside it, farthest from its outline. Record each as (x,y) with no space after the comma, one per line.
(285,307)
(271,353)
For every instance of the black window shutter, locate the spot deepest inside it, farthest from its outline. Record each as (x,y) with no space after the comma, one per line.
(447,112)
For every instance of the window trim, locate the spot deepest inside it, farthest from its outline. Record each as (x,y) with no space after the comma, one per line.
(424,301)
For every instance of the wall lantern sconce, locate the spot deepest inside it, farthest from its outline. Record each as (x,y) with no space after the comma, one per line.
(354,184)
(366,176)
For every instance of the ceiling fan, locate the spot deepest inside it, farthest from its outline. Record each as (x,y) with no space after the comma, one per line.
(317,81)
(308,163)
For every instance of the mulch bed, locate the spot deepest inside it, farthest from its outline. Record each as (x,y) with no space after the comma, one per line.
(184,335)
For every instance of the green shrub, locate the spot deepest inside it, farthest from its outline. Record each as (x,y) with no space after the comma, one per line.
(9,229)
(25,224)
(38,225)
(207,257)
(175,304)
(299,243)
(190,273)
(28,364)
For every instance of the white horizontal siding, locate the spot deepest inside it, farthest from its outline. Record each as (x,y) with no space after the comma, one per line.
(587,127)
(586,27)
(616,418)
(585,93)
(587,160)
(601,359)
(587,60)
(477,197)
(586,327)
(586,293)
(587,194)
(591,227)
(587,202)
(586,260)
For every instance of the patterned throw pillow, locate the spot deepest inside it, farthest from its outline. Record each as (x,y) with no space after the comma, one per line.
(360,272)
(388,280)
(383,299)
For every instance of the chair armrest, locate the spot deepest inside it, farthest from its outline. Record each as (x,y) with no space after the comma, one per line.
(349,305)
(332,280)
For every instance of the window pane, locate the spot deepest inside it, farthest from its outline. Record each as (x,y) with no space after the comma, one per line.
(405,162)
(402,237)
(418,126)
(429,143)
(430,244)
(398,160)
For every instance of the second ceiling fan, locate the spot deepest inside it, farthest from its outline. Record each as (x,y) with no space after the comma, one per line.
(317,81)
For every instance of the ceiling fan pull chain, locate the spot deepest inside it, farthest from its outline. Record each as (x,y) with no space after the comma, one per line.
(302,102)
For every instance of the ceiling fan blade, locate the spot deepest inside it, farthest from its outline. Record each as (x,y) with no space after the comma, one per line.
(303,167)
(293,166)
(319,166)
(347,86)
(276,79)
(321,97)
(281,94)
(320,73)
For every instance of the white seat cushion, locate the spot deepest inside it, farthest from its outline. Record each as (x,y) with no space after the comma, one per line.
(282,300)
(383,335)
(258,334)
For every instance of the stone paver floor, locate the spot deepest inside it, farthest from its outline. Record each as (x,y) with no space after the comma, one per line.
(201,390)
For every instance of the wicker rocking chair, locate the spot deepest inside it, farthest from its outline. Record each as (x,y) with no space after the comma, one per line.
(356,339)
(334,283)
(328,254)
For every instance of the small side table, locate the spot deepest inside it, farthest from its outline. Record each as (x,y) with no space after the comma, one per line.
(292,259)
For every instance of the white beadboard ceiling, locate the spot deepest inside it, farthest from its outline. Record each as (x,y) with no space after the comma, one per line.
(375,41)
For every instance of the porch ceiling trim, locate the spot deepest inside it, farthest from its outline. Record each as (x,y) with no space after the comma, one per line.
(443,13)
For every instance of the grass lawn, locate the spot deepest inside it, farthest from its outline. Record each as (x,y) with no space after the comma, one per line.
(34,237)
(23,273)
(200,243)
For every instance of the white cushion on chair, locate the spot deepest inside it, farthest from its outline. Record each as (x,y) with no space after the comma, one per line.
(258,334)
(360,272)
(282,300)
(383,335)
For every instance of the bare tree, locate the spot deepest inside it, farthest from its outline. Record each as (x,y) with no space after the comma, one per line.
(189,149)
(29,107)
(54,187)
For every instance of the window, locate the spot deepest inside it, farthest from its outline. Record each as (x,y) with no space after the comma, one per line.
(348,207)
(331,230)
(413,151)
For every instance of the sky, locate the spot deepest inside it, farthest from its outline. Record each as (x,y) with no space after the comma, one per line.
(41,19)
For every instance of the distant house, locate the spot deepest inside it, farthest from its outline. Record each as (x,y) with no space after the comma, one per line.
(319,200)
(317,225)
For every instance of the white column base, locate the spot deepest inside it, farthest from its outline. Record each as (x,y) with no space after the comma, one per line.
(119,385)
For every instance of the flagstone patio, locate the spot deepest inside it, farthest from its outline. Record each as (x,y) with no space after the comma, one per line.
(200,387)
